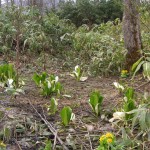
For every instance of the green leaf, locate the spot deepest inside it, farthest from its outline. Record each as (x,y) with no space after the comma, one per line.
(129,93)
(138,68)
(58,87)
(135,118)
(97,109)
(77,73)
(134,66)
(95,101)
(48,145)
(148,119)
(129,103)
(146,69)
(36,79)
(7,133)
(48,84)
(43,77)
(142,120)
(124,133)
(148,59)
(7,72)
(53,105)
(66,115)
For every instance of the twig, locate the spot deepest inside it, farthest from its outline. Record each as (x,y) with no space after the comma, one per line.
(4,116)
(142,85)
(46,119)
(18,144)
(90,140)
(31,136)
(50,127)
(55,141)
(81,142)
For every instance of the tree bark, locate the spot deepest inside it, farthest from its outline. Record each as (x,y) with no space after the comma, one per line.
(131,31)
(20,1)
(12,2)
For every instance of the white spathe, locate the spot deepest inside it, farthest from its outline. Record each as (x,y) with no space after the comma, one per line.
(118,86)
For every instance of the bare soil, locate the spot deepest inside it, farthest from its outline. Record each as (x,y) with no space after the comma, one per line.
(17,113)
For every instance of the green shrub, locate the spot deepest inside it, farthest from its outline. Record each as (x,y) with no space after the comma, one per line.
(98,11)
(101,49)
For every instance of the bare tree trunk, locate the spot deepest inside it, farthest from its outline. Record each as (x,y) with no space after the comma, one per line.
(41,6)
(52,2)
(12,2)
(20,1)
(0,3)
(131,31)
(17,58)
(31,2)
(7,3)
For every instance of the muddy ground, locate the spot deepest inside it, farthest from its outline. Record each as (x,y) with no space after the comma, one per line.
(29,132)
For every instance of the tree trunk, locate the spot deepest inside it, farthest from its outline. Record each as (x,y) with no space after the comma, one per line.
(6,2)
(20,1)
(12,2)
(131,31)
(41,6)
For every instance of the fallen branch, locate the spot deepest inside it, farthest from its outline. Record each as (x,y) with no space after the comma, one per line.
(54,132)
(55,140)
(18,144)
(90,140)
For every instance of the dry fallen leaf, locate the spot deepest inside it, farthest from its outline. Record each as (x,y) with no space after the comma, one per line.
(89,127)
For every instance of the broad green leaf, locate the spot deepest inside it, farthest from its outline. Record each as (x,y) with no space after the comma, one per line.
(138,68)
(129,93)
(43,77)
(146,69)
(73,117)
(148,59)
(48,145)
(135,118)
(124,133)
(77,73)
(36,79)
(97,109)
(148,119)
(66,115)
(24,44)
(53,105)
(142,120)
(95,101)
(134,66)
(48,84)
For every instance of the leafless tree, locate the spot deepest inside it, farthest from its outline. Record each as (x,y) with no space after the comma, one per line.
(12,2)
(52,2)
(7,2)
(131,31)
(20,2)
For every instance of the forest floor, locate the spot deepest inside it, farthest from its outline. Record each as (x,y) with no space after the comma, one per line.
(29,131)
